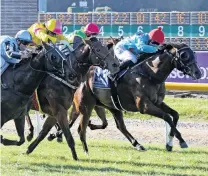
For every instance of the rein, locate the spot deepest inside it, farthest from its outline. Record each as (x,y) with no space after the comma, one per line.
(62,81)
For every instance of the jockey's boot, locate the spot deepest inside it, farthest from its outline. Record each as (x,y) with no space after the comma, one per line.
(126,64)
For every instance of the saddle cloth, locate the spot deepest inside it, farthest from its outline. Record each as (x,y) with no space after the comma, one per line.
(101,79)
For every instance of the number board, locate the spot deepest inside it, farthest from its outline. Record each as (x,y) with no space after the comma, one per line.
(82,18)
(66,19)
(189,27)
(43,17)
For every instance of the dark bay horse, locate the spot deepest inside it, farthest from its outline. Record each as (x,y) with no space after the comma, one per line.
(140,89)
(100,111)
(19,82)
(56,98)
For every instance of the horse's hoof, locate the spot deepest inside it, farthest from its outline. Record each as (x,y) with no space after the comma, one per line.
(183,145)
(29,138)
(51,137)
(28,152)
(169,148)
(140,148)
(59,139)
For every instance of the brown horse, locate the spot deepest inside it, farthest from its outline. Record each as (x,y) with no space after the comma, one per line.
(56,96)
(140,89)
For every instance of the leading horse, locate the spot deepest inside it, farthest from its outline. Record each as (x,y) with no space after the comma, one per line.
(140,89)
(19,82)
(55,97)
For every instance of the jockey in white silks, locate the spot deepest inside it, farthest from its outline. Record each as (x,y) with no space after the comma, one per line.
(11,48)
(128,50)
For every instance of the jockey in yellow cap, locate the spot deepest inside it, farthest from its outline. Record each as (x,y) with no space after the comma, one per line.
(51,30)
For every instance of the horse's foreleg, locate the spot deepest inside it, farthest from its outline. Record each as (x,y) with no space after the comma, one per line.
(49,123)
(102,115)
(63,122)
(147,107)
(175,117)
(20,126)
(118,116)
(31,127)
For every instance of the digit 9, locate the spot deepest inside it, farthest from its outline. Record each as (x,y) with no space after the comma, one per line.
(201,31)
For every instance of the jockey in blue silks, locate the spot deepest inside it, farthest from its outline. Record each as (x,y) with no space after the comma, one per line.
(128,50)
(11,48)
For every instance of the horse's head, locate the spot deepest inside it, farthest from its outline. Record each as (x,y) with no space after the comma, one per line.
(184,59)
(99,55)
(55,61)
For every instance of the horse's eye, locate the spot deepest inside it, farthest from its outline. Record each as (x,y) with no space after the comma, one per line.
(53,58)
(98,50)
(184,56)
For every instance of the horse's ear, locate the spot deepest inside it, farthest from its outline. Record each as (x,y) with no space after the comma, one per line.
(169,46)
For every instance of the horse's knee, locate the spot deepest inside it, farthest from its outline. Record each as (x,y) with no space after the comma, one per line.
(175,115)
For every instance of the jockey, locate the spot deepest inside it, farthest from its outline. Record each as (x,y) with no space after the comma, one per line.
(127,50)
(49,31)
(79,36)
(12,48)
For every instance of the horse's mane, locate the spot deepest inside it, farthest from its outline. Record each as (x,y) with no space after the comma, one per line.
(175,45)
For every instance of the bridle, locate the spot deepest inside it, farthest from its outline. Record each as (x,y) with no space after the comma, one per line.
(61,73)
(101,59)
(177,60)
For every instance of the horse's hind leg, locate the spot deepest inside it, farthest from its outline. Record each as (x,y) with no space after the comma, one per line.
(31,127)
(147,107)
(73,115)
(118,116)
(85,108)
(49,123)
(102,115)
(175,116)
(20,126)
(59,133)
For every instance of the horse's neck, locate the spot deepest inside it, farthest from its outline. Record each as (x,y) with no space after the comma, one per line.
(158,69)
(80,58)
(26,80)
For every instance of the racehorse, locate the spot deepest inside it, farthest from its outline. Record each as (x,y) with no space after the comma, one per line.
(140,89)
(55,97)
(19,82)
(100,111)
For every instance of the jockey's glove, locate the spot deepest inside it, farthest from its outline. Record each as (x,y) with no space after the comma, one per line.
(26,55)
(162,47)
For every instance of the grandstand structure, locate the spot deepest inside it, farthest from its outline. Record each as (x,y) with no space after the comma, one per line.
(17,15)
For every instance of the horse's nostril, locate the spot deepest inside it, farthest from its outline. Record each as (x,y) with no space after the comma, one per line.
(114,65)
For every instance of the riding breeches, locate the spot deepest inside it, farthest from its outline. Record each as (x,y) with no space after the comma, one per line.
(124,55)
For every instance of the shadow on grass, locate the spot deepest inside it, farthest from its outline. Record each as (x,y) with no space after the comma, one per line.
(140,164)
(63,169)
(129,147)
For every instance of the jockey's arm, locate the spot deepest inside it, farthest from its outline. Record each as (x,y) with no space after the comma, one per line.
(142,47)
(45,37)
(10,52)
